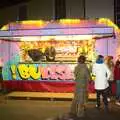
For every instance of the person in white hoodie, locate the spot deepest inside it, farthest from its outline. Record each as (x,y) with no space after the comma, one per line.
(102,75)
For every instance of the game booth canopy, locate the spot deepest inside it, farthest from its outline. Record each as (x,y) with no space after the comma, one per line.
(37,52)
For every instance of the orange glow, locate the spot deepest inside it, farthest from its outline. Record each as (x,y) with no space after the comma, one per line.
(28,24)
(34,22)
(69,21)
(5,27)
(108,22)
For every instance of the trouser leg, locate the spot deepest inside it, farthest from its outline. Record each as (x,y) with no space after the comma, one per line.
(74,106)
(78,107)
(81,105)
(98,93)
(81,110)
(110,89)
(105,96)
(118,90)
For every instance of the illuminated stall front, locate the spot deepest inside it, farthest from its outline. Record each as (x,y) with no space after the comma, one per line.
(41,55)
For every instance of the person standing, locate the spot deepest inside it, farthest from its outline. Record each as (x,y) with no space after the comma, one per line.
(82,75)
(117,79)
(102,75)
(109,62)
(1,78)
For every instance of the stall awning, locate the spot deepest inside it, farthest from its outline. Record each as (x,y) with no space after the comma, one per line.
(57,31)
(94,29)
(95,32)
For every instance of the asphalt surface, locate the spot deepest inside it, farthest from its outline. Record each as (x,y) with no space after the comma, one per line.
(50,110)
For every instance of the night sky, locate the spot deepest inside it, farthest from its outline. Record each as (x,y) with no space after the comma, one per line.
(6,3)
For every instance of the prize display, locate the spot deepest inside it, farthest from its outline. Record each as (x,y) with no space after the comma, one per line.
(57,51)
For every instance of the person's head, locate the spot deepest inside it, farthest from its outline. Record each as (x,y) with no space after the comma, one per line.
(81,59)
(108,59)
(100,59)
(119,57)
(111,57)
(118,61)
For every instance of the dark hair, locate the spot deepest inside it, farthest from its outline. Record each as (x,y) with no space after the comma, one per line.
(100,59)
(81,59)
(117,63)
(111,57)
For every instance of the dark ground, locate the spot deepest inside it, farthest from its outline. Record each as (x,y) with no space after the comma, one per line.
(12,109)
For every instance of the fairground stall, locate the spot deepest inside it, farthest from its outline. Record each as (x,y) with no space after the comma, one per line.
(41,55)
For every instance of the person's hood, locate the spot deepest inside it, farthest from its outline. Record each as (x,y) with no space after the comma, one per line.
(99,61)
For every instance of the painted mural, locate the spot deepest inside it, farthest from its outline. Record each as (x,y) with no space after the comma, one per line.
(41,72)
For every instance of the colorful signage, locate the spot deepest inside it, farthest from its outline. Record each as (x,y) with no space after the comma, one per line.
(41,72)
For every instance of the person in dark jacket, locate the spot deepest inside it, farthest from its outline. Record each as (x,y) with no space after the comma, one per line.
(82,75)
(117,79)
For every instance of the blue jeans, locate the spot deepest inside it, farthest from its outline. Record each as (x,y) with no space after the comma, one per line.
(118,90)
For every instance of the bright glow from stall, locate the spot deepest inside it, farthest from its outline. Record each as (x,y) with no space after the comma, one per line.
(28,38)
(46,38)
(108,22)
(69,21)
(74,37)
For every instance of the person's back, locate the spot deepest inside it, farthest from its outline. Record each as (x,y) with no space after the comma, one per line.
(117,79)
(110,64)
(100,71)
(81,73)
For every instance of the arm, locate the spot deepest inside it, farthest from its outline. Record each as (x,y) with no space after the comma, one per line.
(75,71)
(108,72)
(115,73)
(93,70)
(88,76)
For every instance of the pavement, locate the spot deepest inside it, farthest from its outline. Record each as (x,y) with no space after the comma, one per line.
(16,109)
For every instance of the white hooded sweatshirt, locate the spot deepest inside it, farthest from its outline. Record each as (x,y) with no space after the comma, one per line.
(102,74)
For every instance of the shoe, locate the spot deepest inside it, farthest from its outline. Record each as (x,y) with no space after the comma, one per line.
(108,99)
(97,107)
(117,103)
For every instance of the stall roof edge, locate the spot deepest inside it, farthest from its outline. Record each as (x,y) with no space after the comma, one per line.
(62,23)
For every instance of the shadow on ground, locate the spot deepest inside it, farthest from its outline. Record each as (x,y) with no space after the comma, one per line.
(94,114)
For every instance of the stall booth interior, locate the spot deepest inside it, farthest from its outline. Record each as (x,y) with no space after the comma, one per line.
(40,56)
